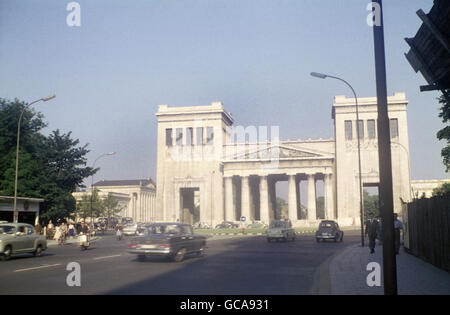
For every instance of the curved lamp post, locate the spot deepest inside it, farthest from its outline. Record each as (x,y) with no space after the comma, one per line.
(15,210)
(361,207)
(92,182)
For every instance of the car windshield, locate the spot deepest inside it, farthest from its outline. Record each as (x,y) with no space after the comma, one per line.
(277,224)
(163,229)
(7,229)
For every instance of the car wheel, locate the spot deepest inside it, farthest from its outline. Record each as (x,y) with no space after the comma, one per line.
(7,253)
(141,257)
(38,251)
(179,256)
(336,238)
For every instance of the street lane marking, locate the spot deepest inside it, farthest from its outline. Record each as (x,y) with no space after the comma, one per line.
(104,257)
(34,268)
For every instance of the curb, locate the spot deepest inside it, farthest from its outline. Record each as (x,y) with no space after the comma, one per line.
(322,279)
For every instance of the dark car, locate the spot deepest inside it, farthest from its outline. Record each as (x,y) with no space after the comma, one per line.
(227,225)
(173,240)
(329,230)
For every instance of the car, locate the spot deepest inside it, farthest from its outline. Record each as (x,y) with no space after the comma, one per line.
(329,230)
(227,225)
(280,230)
(172,240)
(131,229)
(126,221)
(257,225)
(19,238)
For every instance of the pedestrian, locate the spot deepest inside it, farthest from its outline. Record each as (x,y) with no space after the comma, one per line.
(38,229)
(371,231)
(71,230)
(398,225)
(50,230)
(379,236)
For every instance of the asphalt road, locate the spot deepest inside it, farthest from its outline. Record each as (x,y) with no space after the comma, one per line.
(232,265)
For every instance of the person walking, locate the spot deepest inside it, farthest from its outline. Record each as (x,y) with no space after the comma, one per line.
(371,232)
(398,225)
(71,230)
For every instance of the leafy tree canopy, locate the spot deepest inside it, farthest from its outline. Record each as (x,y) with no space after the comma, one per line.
(50,167)
(444,134)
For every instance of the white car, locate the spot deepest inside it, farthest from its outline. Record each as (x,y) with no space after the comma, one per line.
(130,229)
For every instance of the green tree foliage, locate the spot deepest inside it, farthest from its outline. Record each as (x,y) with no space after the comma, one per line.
(84,206)
(111,207)
(442,191)
(371,204)
(50,167)
(444,134)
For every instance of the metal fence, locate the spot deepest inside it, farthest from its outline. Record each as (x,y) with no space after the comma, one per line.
(427,230)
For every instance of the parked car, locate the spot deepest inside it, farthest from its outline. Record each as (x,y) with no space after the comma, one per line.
(280,230)
(130,229)
(329,230)
(227,225)
(19,238)
(202,225)
(257,225)
(173,240)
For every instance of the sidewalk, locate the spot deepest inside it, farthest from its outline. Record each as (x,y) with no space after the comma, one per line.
(70,241)
(347,274)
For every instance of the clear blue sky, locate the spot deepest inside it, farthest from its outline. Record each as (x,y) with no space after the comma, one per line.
(127,57)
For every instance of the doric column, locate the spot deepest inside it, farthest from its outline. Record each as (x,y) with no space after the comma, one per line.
(292,199)
(264,200)
(245,198)
(229,207)
(329,197)
(311,198)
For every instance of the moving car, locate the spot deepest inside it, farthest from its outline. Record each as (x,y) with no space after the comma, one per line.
(173,240)
(280,230)
(329,230)
(19,238)
(227,225)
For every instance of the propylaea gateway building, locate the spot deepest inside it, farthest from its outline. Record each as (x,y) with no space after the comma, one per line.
(209,170)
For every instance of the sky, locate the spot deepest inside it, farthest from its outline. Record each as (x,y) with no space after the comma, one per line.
(110,73)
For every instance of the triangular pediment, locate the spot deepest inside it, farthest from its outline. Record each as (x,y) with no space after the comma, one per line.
(280,151)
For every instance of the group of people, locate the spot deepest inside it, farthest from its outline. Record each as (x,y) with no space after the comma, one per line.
(374,231)
(63,230)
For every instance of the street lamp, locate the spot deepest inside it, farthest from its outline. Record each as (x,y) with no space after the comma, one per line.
(92,181)
(15,210)
(361,207)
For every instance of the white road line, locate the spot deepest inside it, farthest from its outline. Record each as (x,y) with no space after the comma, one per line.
(34,268)
(104,257)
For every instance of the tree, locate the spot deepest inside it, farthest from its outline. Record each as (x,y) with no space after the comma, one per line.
(111,207)
(281,208)
(442,191)
(50,167)
(83,208)
(371,204)
(444,134)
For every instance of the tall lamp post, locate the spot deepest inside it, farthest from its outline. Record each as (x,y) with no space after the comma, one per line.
(44,99)
(361,207)
(92,183)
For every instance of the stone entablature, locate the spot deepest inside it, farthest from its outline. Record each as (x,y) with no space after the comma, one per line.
(424,188)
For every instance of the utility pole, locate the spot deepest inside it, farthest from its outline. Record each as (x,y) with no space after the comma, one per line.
(385,163)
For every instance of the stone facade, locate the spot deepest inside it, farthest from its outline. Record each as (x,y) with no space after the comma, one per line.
(209,170)
(136,197)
